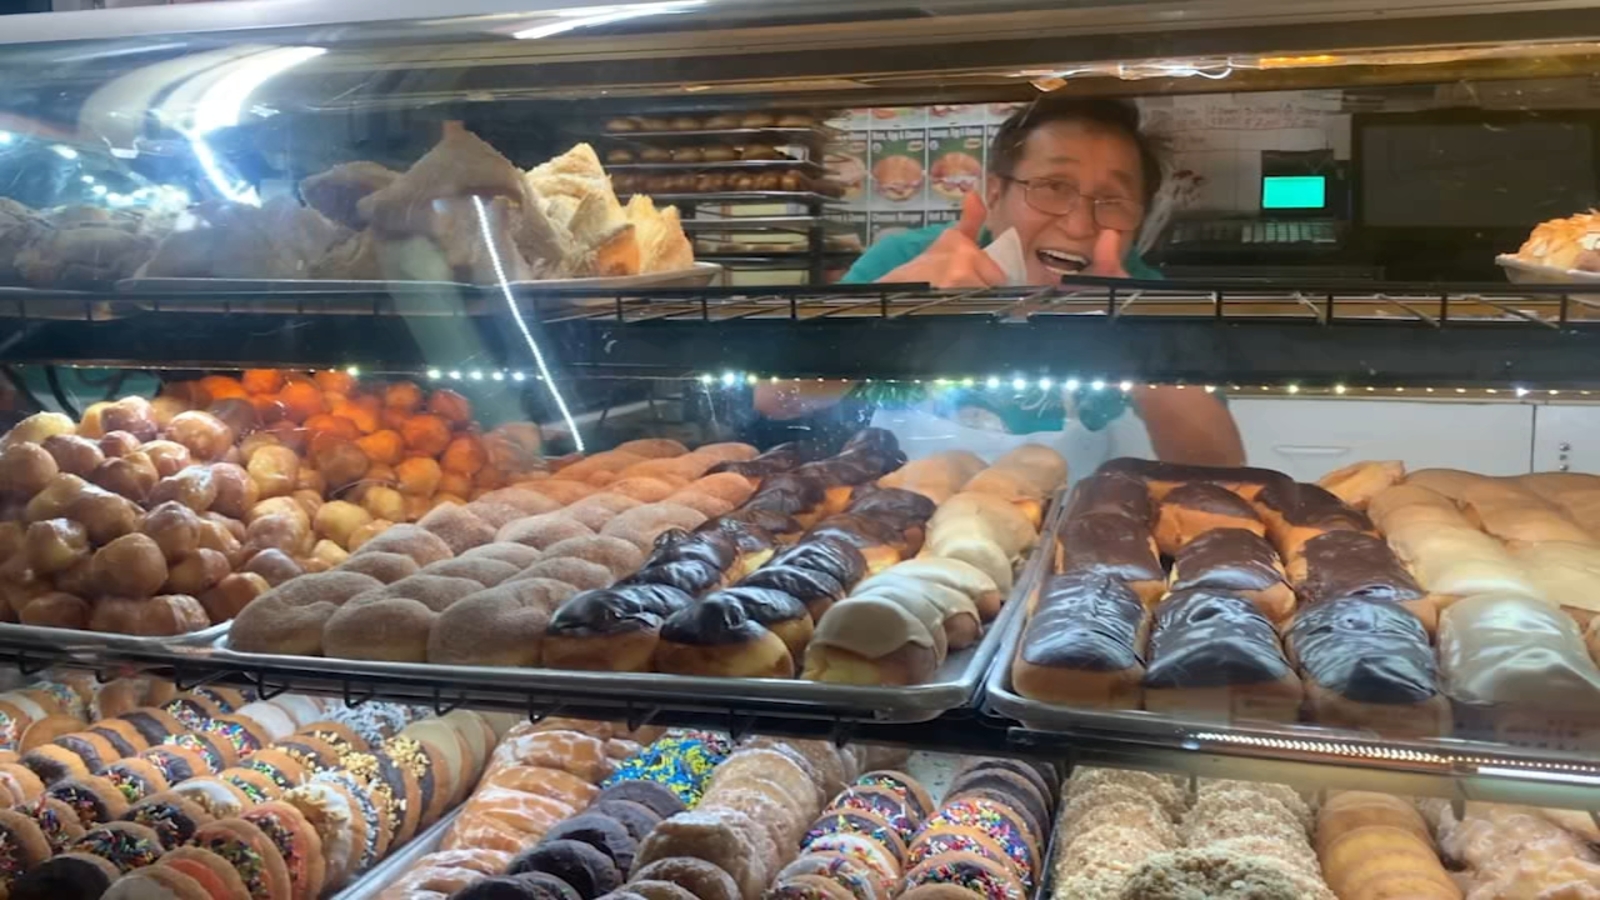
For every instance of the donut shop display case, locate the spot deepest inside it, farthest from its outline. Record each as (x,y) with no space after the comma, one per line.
(416,403)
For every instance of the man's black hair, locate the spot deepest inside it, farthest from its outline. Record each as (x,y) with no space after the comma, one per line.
(1120,116)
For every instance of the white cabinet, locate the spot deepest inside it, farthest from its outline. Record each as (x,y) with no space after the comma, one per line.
(1309,437)
(1566,438)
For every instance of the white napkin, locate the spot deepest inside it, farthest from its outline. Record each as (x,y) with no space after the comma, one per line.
(1006,251)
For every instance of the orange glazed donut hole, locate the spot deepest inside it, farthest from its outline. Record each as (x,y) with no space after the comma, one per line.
(454,483)
(425,434)
(404,396)
(464,454)
(335,381)
(450,406)
(419,476)
(386,446)
(220,387)
(302,399)
(262,381)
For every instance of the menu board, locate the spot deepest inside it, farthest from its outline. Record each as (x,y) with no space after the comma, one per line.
(906,167)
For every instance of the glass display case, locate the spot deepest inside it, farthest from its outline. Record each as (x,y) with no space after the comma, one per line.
(1167,386)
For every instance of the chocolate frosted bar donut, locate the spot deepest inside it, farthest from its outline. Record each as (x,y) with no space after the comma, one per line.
(1367,664)
(1296,513)
(1081,648)
(1112,493)
(1238,561)
(1112,545)
(1188,511)
(1214,655)
(1353,564)
(1161,477)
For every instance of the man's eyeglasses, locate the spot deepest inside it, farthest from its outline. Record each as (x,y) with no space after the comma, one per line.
(1062,198)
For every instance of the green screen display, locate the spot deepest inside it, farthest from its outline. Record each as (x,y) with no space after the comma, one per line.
(1294,192)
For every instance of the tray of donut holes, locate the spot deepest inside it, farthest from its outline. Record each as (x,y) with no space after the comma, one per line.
(854,586)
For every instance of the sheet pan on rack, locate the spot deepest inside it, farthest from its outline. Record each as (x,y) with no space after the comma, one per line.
(953,687)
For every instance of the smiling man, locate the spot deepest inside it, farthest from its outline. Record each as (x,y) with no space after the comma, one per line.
(1074,177)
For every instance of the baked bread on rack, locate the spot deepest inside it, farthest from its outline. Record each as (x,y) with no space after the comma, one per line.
(1569,243)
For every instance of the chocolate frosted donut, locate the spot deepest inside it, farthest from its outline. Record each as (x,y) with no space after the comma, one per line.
(1161,477)
(1305,505)
(789,493)
(1191,510)
(1082,646)
(766,521)
(880,440)
(717,637)
(692,576)
(609,630)
(1351,564)
(746,537)
(600,832)
(896,505)
(1204,639)
(68,876)
(1237,561)
(840,560)
(816,590)
(715,547)
(657,798)
(636,818)
(1112,493)
(779,612)
(1368,663)
(1117,547)
(781,458)
(589,871)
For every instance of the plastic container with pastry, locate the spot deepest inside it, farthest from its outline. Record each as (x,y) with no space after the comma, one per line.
(1190,510)
(719,637)
(615,629)
(1083,644)
(1238,561)
(1115,546)
(1368,664)
(1213,655)
(1515,658)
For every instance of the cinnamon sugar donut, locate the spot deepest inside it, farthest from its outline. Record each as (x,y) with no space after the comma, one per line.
(563,491)
(457,527)
(649,521)
(380,627)
(541,532)
(487,572)
(596,510)
(502,626)
(708,505)
(618,556)
(385,566)
(519,555)
(580,573)
(497,515)
(645,489)
(531,501)
(727,486)
(412,540)
(436,592)
(651,448)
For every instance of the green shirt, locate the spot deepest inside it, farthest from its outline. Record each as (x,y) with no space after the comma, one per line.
(1025,411)
(896,250)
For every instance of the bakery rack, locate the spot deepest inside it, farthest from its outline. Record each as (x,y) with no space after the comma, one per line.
(1227,334)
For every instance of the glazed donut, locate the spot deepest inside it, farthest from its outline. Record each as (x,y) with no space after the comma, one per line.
(697,877)
(709,838)
(168,614)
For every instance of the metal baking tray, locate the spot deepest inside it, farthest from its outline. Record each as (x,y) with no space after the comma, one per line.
(787,134)
(440,298)
(390,869)
(94,646)
(691,197)
(807,165)
(953,687)
(78,306)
